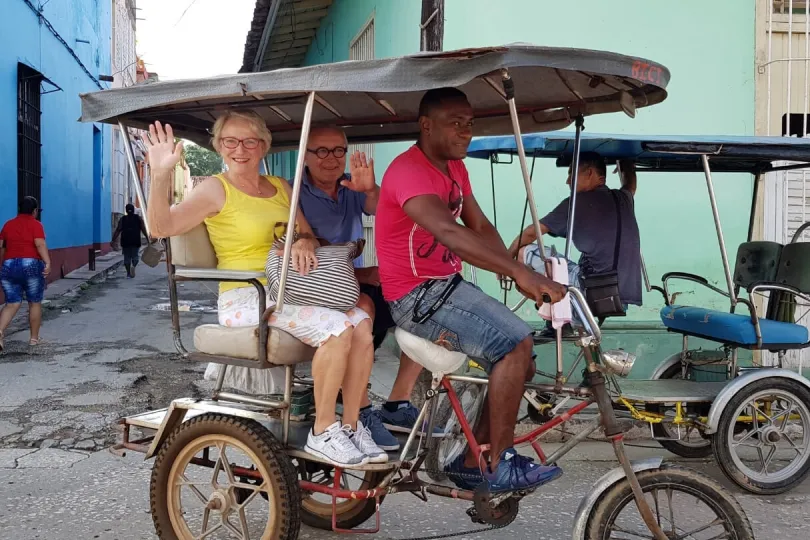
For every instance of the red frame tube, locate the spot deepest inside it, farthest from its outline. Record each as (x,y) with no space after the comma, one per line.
(462,418)
(530,437)
(342,493)
(554,422)
(335,528)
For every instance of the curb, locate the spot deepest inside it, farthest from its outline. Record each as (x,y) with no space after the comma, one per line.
(81,277)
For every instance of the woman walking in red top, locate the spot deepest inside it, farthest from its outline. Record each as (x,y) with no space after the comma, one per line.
(25,259)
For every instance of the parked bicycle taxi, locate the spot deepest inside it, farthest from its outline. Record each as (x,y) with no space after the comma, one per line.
(702,400)
(199,487)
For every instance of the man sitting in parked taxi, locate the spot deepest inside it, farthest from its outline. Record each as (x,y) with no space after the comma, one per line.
(595,229)
(334,202)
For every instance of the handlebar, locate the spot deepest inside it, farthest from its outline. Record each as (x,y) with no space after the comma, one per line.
(583,310)
(585,313)
(581,306)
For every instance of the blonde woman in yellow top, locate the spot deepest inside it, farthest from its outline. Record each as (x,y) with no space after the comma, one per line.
(241,210)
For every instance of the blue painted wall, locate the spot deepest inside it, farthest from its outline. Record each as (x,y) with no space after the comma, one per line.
(69,164)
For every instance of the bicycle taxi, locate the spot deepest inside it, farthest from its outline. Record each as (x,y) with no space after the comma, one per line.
(702,400)
(374,101)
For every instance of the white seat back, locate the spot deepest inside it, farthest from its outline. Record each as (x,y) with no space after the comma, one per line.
(193,249)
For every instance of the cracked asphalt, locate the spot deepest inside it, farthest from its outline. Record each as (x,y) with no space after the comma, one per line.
(108,353)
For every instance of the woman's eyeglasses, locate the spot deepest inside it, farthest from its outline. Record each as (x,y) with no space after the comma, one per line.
(233,142)
(324,152)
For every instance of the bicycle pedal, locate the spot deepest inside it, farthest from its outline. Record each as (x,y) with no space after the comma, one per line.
(473,515)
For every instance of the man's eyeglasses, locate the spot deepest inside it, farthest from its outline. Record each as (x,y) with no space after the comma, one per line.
(324,152)
(233,142)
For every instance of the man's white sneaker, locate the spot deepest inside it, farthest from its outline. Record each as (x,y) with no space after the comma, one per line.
(364,442)
(335,446)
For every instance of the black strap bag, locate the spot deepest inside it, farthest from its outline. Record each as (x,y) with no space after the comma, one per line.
(602,290)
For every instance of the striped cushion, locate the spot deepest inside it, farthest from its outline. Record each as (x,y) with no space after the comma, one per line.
(332,285)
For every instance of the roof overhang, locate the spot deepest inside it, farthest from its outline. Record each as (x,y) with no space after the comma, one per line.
(281,33)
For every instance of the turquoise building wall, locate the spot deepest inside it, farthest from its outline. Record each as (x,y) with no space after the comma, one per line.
(709,50)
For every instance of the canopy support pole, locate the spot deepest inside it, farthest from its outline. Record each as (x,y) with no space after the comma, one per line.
(754,205)
(569,237)
(133,168)
(723,253)
(509,88)
(644,274)
(296,195)
(523,299)
(288,242)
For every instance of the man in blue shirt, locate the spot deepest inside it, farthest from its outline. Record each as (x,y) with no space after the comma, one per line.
(334,203)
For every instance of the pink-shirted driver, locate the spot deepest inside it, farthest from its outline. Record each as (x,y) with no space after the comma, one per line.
(420,248)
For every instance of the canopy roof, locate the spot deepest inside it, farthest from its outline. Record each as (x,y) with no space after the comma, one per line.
(377,100)
(655,152)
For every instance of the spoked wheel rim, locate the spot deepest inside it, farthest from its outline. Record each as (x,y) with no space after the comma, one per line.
(707,522)
(692,438)
(225,505)
(771,437)
(688,435)
(453,444)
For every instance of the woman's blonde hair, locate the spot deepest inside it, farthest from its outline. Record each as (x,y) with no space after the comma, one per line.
(255,120)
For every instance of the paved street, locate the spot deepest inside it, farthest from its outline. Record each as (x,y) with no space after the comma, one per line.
(108,353)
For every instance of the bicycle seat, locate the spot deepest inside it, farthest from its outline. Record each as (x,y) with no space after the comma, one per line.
(435,358)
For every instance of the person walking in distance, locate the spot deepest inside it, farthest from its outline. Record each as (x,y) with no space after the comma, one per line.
(25,264)
(130,227)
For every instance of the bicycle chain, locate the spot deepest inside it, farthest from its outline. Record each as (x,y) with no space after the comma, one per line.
(470,512)
(452,535)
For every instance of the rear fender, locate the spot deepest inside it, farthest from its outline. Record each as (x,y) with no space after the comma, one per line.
(179,410)
(174,417)
(609,480)
(665,365)
(738,384)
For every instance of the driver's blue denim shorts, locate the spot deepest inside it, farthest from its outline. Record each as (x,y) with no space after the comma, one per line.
(469,321)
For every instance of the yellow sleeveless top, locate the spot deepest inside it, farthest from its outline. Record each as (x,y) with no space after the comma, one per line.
(244,230)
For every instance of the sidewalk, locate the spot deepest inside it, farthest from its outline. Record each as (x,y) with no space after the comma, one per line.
(80,277)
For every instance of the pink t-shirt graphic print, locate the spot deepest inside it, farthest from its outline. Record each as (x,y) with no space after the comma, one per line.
(408,254)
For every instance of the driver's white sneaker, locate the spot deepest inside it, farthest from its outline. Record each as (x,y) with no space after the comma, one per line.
(335,446)
(364,442)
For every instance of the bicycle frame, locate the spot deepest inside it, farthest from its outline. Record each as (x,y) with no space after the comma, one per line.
(531,437)
(596,393)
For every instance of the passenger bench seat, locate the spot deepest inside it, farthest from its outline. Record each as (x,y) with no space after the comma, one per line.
(194,250)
